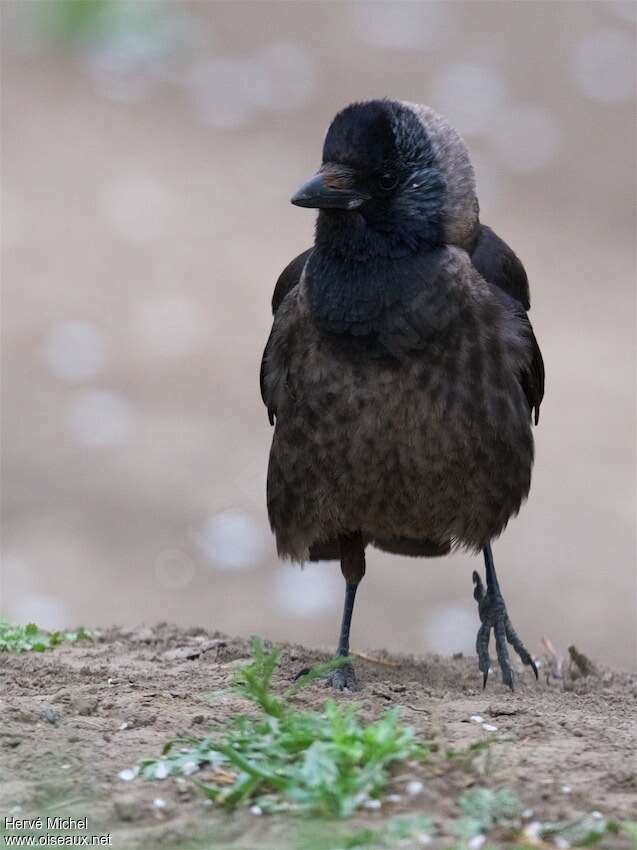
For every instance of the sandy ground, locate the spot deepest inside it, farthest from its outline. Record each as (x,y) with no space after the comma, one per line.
(73,718)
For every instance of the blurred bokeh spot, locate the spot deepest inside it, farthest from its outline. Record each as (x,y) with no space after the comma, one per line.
(231,540)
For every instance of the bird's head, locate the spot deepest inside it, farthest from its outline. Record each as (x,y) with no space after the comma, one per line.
(395,176)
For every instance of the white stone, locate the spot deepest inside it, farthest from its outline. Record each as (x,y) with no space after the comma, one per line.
(414,787)
(161,770)
(128,774)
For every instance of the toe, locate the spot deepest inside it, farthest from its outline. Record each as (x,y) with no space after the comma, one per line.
(482,648)
(503,653)
(343,679)
(518,646)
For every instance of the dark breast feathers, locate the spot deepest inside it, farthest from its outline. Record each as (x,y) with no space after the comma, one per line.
(418,433)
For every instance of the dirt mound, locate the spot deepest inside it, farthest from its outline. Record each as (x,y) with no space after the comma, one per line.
(77,716)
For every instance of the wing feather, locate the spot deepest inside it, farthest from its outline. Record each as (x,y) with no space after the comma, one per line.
(500,266)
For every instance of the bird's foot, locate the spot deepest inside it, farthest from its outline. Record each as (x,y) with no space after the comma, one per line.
(343,678)
(493,615)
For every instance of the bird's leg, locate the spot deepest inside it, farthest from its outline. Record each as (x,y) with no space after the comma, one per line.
(353,569)
(493,615)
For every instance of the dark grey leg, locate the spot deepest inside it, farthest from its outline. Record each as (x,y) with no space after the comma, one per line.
(353,569)
(493,615)
(346,621)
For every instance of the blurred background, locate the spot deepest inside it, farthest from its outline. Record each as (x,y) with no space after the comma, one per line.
(149,150)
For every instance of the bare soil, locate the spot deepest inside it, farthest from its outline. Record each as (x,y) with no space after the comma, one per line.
(74,717)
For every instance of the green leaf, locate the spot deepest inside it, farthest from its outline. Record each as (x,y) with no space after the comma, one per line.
(319,767)
(629,828)
(326,762)
(30,638)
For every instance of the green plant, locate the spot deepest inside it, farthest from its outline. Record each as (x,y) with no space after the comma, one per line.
(483,809)
(326,762)
(398,832)
(30,638)
(629,828)
(581,832)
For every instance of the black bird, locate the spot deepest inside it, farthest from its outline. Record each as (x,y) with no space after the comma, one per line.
(401,369)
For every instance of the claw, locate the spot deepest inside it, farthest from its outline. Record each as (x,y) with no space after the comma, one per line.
(485,676)
(522,651)
(478,590)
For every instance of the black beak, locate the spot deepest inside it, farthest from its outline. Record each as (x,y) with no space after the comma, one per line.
(331,188)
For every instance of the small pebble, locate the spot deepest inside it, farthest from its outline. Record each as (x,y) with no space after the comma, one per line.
(50,714)
(158,803)
(423,839)
(127,810)
(372,804)
(128,774)
(256,810)
(476,718)
(414,787)
(533,830)
(566,789)
(489,727)
(562,843)
(527,814)
(476,842)
(503,710)
(597,815)
(394,798)
(161,770)
(122,726)
(189,767)
(85,706)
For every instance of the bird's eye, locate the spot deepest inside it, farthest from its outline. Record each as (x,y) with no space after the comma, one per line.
(387,181)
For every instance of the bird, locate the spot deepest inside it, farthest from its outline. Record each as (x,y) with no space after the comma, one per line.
(401,374)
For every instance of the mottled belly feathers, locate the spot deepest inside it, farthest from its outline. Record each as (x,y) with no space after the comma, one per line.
(419,430)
